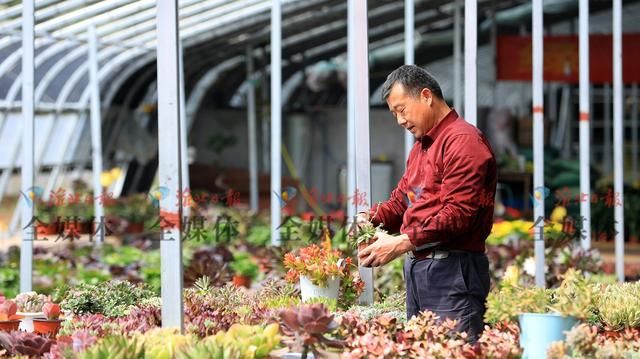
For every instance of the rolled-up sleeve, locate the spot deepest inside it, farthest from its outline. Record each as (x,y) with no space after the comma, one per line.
(466,163)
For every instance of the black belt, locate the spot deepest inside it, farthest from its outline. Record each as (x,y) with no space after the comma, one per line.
(437,253)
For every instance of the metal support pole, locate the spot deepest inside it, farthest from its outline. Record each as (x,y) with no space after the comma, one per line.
(253,148)
(28,160)
(409,59)
(457,57)
(96,133)
(169,169)
(634,131)
(357,49)
(538,140)
(184,131)
(585,158)
(470,60)
(618,138)
(276,118)
(351,119)
(606,154)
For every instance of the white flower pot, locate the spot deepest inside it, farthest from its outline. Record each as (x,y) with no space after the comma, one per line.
(309,290)
(26,323)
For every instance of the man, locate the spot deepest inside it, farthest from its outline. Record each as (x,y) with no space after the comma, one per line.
(442,206)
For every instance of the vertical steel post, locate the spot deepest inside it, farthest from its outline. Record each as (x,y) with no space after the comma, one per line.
(409,59)
(184,132)
(276,119)
(470,61)
(618,138)
(359,106)
(457,58)
(253,148)
(28,160)
(96,134)
(538,141)
(169,168)
(585,140)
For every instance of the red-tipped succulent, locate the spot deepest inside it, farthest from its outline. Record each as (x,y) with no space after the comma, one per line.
(8,310)
(306,327)
(51,311)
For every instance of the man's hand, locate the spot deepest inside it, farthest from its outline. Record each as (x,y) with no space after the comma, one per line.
(384,250)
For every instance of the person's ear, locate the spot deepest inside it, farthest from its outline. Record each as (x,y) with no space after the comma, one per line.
(427,96)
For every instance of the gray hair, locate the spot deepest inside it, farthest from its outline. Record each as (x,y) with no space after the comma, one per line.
(413,79)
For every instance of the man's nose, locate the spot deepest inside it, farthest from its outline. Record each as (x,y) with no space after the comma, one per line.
(401,121)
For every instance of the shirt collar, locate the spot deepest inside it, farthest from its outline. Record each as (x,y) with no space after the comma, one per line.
(433,133)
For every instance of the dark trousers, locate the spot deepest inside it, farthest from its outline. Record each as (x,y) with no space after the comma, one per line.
(455,287)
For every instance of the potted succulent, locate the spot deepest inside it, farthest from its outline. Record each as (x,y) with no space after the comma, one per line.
(77,218)
(51,324)
(365,233)
(245,269)
(49,219)
(9,321)
(30,306)
(571,302)
(318,268)
(136,210)
(306,328)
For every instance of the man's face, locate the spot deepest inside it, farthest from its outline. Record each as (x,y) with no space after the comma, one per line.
(414,113)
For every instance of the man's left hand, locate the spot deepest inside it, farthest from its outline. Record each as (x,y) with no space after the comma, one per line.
(384,250)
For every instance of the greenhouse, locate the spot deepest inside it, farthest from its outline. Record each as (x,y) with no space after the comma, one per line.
(319,179)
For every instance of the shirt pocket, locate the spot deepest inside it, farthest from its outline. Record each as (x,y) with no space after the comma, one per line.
(433,179)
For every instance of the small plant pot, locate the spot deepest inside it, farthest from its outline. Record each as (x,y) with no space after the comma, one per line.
(9,325)
(241,281)
(135,227)
(310,290)
(365,244)
(538,331)
(78,227)
(26,324)
(47,229)
(48,327)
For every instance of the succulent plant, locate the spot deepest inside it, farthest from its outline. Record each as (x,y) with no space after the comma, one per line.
(113,299)
(51,310)
(140,319)
(618,306)
(365,232)
(8,310)
(95,324)
(500,342)
(318,263)
(249,341)
(585,341)
(243,264)
(23,343)
(115,347)
(208,349)
(31,302)
(575,296)
(204,319)
(163,343)
(306,327)
(211,263)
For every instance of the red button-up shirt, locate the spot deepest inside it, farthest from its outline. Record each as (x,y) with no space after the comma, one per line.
(445,197)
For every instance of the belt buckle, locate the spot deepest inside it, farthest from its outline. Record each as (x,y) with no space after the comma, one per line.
(439,254)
